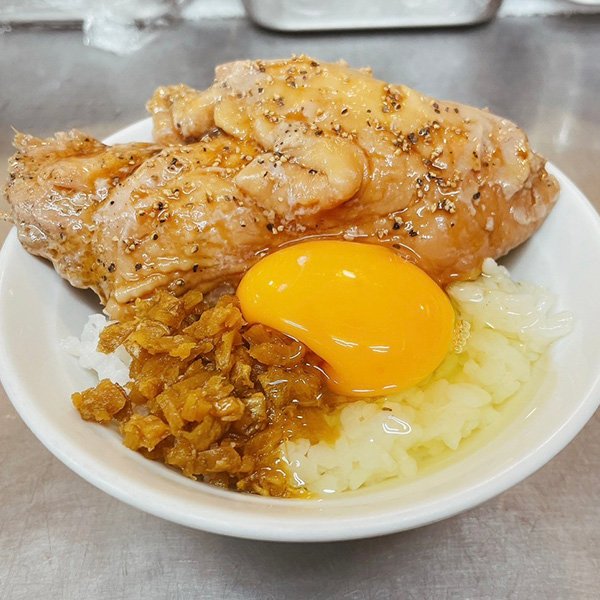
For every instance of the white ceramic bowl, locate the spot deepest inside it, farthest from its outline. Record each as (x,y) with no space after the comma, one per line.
(38,310)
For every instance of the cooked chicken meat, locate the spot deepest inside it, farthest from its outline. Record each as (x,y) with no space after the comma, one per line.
(55,188)
(275,152)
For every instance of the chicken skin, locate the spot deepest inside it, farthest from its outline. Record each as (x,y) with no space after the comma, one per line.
(273,153)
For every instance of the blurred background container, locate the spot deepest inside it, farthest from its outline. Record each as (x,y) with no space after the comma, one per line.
(125,26)
(310,15)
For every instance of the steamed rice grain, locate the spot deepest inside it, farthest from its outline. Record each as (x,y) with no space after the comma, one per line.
(507,327)
(504,329)
(114,366)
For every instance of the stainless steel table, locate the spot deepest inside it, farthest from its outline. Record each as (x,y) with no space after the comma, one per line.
(60,538)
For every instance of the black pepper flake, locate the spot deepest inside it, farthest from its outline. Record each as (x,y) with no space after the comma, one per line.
(195,268)
(413,138)
(270,227)
(312,171)
(396,226)
(476,195)
(155,236)
(111,268)
(412,233)
(138,266)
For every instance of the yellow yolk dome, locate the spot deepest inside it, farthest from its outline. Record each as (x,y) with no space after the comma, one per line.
(379,323)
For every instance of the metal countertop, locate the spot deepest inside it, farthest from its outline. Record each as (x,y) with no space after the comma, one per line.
(60,538)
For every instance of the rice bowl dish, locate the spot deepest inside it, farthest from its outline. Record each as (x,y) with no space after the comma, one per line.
(245,350)
(538,430)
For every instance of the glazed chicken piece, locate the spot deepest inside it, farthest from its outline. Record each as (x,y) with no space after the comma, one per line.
(128,219)
(272,153)
(55,187)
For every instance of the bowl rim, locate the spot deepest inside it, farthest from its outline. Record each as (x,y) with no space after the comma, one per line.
(233,523)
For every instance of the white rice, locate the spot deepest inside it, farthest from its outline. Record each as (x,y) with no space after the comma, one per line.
(113,366)
(506,327)
(509,326)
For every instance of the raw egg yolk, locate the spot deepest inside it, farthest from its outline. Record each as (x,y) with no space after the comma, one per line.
(379,323)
